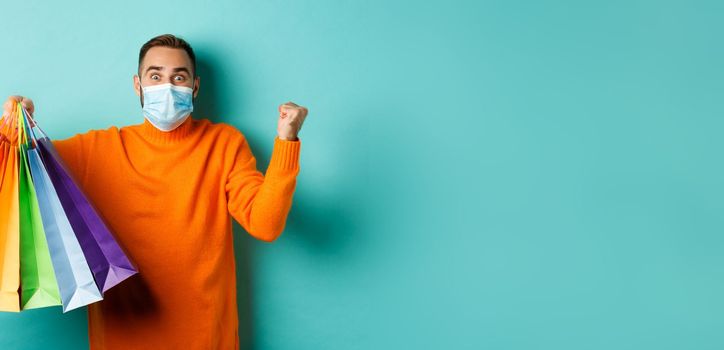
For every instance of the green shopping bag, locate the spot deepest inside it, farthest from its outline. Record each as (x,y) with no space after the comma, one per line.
(38,286)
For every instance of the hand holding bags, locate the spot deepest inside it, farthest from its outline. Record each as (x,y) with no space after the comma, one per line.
(67,253)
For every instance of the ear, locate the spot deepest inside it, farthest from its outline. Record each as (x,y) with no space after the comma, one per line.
(137,84)
(197,85)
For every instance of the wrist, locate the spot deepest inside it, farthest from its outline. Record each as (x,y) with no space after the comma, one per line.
(288,138)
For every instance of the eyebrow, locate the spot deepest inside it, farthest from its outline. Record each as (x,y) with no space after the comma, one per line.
(181,69)
(177,69)
(153,67)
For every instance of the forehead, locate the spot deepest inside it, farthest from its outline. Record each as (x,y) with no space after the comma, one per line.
(166,57)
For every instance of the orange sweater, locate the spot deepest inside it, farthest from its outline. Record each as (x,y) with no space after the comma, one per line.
(167,197)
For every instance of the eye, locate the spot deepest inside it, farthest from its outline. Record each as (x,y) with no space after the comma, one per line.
(179,78)
(155,77)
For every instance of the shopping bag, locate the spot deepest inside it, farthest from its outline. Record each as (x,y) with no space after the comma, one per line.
(9,225)
(38,286)
(109,263)
(75,279)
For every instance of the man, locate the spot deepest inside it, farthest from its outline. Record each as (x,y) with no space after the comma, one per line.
(166,188)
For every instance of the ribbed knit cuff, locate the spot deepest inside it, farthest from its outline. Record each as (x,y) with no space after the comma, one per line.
(285,156)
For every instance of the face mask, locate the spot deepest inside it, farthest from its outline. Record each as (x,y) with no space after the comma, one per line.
(166,106)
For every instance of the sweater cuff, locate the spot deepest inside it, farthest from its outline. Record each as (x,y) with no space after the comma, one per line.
(285,155)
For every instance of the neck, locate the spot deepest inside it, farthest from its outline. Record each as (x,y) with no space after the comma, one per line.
(159,136)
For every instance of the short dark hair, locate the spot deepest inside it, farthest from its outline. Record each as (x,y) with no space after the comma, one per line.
(167,40)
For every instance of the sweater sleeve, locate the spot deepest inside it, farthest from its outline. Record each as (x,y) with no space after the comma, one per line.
(260,203)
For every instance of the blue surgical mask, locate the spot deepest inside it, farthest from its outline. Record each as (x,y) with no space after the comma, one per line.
(166,106)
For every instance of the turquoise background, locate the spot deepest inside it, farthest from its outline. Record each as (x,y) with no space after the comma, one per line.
(474,174)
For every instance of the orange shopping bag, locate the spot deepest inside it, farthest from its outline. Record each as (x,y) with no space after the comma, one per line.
(9,219)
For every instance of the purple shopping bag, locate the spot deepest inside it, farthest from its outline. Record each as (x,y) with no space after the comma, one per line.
(107,260)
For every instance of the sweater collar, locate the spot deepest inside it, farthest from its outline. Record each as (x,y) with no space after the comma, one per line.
(155,135)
